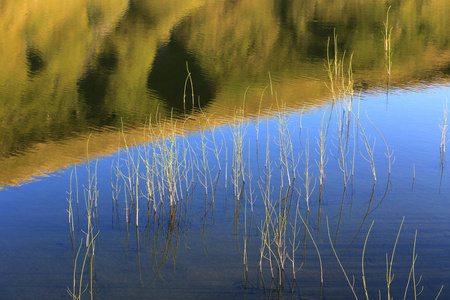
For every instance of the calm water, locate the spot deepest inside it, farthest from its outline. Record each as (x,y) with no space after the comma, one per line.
(74,75)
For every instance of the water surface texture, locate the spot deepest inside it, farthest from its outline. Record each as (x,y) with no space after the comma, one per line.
(224,149)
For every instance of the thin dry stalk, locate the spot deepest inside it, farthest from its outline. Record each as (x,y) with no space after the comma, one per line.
(444,128)
(323,160)
(387,43)
(266,225)
(362,261)
(73,293)
(370,149)
(288,163)
(389,274)
(259,115)
(188,80)
(216,148)
(412,273)
(340,264)
(70,212)
(307,176)
(204,162)
(315,245)
(262,248)
(238,131)
(389,154)
(294,243)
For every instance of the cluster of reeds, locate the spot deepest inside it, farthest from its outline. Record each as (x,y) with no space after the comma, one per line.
(340,84)
(166,172)
(173,168)
(152,173)
(161,174)
(351,136)
(277,197)
(277,206)
(349,125)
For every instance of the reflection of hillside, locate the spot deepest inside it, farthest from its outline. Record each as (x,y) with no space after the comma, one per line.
(68,67)
(42,59)
(51,156)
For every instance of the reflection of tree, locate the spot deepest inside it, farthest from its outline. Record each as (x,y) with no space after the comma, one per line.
(168,75)
(93,86)
(35,62)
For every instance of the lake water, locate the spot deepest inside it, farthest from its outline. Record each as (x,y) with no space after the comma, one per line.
(173,150)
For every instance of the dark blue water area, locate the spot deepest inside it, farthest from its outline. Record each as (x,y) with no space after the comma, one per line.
(198,251)
(35,240)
